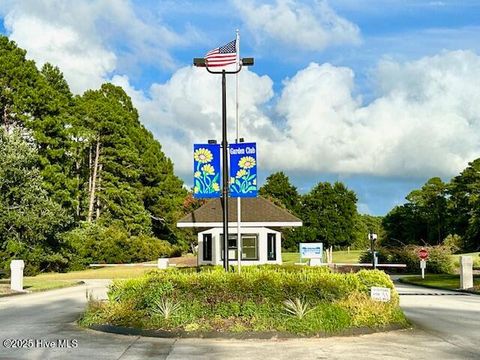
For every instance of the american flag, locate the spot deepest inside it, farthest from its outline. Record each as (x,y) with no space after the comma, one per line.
(223,55)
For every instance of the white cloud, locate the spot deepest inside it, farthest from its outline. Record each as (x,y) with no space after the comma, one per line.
(77,37)
(187,110)
(424,122)
(85,63)
(312,26)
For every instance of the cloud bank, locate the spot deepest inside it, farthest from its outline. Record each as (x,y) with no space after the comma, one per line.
(79,37)
(425,120)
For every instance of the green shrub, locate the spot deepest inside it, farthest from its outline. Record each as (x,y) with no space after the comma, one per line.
(96,244)
(366,312)
(439,260)
(382,255)
(369,278)
(453,242)
(254,300)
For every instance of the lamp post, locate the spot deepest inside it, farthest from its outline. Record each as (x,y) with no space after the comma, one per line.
(373,237)
(200,62)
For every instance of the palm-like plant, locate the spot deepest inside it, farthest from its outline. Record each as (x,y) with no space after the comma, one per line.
(297,307)
(165,307)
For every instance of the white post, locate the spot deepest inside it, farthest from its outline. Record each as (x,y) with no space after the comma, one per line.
(239,202)
(423,265)
(16,276)
(466,272)
(162,263)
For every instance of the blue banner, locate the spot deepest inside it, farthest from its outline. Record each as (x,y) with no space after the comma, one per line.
(206,171)
(243,170)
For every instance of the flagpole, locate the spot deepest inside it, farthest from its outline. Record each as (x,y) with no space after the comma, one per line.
(239,203)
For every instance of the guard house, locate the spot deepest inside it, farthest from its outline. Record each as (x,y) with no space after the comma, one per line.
(261,223)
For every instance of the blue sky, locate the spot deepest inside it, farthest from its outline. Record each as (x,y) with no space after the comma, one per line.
(381,95)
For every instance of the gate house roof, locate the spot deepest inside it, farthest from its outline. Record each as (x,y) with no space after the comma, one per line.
(255,212)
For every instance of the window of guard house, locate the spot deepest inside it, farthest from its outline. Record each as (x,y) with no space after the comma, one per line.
(249,246)
(207,247)
(232,246)
(271,246)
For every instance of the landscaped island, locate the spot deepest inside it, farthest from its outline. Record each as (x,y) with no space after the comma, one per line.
(297,300)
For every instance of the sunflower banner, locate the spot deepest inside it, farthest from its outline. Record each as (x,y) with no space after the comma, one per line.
(206,171)
(243,170)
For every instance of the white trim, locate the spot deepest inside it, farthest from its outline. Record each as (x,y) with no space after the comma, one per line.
(234,224)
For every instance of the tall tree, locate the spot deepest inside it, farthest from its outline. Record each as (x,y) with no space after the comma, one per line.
(329,214)
(364,224)
(29,220)
(431,207)
(278,187)
(464,205)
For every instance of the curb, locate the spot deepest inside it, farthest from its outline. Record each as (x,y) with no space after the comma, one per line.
(264,335)
(471,292)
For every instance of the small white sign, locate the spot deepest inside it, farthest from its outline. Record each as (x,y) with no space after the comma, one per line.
(423,264)
(311,250)
(380,293)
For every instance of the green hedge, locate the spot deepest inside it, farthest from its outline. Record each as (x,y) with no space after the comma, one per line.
(213,300)
(97,244)
(439,260)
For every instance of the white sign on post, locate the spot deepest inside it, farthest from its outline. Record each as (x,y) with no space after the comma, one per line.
(311,250)
(380,294)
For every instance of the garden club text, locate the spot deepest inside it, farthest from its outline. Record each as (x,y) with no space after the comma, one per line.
(242,151)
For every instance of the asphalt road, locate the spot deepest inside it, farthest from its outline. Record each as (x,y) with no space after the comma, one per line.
(447,328)
(451,316)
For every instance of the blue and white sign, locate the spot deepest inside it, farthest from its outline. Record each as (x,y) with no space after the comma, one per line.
(206,171)
(243,170)
(311,250)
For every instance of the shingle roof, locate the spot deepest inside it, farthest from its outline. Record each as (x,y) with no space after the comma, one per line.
(254,210)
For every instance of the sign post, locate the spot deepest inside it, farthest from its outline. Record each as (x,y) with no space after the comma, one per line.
(243,180)
(373,237)
(423,255)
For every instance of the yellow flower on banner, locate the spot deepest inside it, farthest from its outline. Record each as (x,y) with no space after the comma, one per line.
(196,189)
(197,174)
(254,182)
(203,155)
(232,181)
(241,173)
(215,186)
(208,169)
(246,162)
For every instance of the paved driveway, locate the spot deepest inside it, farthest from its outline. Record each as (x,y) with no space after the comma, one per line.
(50,316)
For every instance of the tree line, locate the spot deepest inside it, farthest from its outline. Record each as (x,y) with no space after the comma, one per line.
(77,167)
(439,213)
(328,211)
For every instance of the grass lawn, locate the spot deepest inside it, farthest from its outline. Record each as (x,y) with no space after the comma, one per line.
(37,284)
(49,281)
(338,257)
(443,281)
(97,273)
(475,256)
